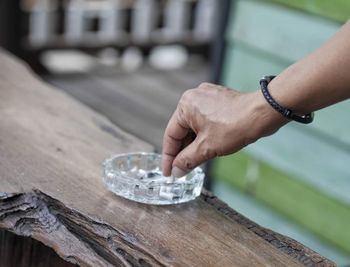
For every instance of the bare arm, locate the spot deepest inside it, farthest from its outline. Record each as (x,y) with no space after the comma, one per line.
(212,121)
(318,80)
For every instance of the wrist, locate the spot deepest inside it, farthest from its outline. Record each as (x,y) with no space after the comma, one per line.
(286,112)
(268,120)
(290,91)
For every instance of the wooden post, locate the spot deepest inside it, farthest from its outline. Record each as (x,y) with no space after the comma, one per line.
(10,25)
(51,149)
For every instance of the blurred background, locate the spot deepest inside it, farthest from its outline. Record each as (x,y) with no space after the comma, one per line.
(132,59)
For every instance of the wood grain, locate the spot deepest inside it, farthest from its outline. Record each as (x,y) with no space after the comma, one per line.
(51,149)
(140,102)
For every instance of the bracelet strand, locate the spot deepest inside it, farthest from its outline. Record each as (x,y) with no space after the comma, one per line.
(307,118)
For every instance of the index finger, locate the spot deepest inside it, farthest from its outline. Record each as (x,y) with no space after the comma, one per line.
(174,134)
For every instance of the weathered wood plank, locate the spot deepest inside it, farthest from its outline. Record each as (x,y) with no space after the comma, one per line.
(51,148)
(140,102)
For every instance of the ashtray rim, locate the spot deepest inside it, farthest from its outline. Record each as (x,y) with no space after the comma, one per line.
(197,173)
(193,181)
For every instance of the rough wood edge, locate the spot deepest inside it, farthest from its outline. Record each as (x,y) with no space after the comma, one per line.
(36,214)
(293,248)
(75,237)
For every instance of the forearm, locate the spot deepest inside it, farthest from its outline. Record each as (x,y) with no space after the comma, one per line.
(224,121)
(319,80)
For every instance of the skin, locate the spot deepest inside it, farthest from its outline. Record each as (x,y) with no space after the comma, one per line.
(212,120)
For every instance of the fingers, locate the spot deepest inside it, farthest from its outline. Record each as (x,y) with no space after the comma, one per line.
(174,134)
(192,156)
(188,139)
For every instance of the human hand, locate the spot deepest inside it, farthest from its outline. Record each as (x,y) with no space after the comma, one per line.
(211,121)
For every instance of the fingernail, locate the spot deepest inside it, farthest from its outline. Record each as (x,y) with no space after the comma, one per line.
(177,172)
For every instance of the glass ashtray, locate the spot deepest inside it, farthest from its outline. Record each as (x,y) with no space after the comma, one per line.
(138,177)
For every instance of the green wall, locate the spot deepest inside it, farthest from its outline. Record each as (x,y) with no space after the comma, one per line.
(338,10)
(302,171)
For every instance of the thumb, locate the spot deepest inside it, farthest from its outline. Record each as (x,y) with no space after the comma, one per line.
(190,157)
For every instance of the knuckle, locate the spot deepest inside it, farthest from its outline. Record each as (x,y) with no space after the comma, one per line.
(206,150)
(249,140)
(187,93)
(205,85)
(181,113)
(186,100)
(186,162)
(189,165)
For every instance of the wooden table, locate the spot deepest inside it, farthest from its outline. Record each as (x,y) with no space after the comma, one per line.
(51,149)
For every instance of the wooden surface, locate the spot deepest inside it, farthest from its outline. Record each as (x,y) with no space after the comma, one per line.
(51,149)
(140,102)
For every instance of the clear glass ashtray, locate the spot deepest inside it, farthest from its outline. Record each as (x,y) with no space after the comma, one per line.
(138,177)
